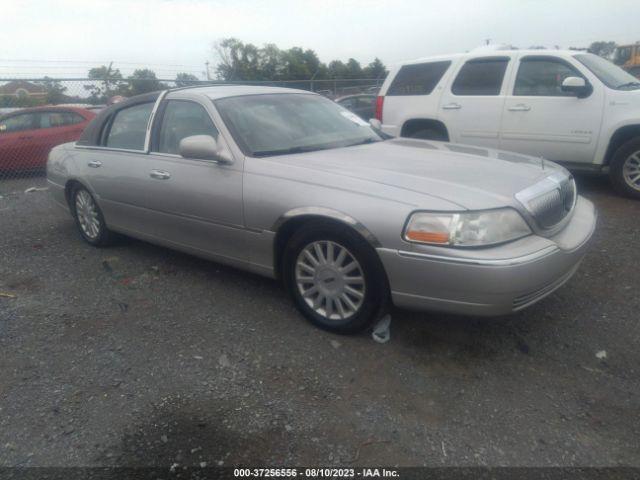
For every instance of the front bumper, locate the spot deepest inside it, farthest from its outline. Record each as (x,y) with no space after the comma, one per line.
(492,281)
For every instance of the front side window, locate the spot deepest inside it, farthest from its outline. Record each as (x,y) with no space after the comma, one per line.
(183,119)
(278,124)
(18,123)
(480,76)
(129,127)
(543,77)
(418,79)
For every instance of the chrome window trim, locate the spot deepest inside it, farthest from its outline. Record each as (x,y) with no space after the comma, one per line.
(503,262)
(147,138)
(109,149)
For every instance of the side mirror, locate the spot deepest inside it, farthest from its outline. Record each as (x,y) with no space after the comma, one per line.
(577,86)
(203,147)
(375,123)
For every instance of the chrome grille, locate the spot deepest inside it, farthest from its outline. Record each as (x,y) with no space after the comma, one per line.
(550,201)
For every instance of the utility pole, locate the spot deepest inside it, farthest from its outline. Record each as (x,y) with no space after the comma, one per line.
(487,41)
(206,66)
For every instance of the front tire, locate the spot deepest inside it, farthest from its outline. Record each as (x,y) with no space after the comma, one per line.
(625,169)
(334,277)
(89,218)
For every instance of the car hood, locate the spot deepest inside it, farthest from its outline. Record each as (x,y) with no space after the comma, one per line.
(418,170)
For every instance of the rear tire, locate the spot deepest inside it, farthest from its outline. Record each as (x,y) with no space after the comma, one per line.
(624,170)
(89,218)
(334,277)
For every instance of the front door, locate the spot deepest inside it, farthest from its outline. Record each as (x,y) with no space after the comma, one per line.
(540,119)
(471,105)
(194,203)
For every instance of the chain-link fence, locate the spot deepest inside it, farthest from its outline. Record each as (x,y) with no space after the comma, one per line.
(28,132)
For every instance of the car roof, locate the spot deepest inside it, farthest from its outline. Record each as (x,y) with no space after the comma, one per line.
(47,108)
(215,92)
(493,52)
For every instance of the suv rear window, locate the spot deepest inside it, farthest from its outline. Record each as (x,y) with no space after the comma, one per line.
(418,79)
(480,76)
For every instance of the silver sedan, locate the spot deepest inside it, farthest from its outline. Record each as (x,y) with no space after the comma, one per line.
(290,185)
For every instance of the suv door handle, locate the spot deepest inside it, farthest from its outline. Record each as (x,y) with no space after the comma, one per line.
(95,163)
(160,174)
(452,106)
(521,107)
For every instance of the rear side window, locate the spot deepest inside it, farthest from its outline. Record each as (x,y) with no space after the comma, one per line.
(418,79)
(59,119)
(129,127)
(480,76)
(183,119)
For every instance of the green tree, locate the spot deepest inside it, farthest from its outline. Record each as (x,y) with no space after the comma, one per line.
(238,61)
(603,49)
(55,90)
(107,83)
(186,79)
(337,69)
(142,81)
(375,69)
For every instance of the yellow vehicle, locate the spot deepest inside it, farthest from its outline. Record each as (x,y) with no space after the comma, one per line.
(628,57)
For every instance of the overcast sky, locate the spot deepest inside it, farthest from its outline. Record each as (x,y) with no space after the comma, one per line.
(176,35)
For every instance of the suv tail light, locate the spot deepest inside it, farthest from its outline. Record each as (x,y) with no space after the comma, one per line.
(379,104)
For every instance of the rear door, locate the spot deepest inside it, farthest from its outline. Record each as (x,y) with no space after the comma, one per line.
(540,119)
(471,106)
(118,169)
(194,203)
(17,150)
(56,127)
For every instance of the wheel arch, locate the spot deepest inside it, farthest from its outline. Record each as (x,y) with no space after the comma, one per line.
(290,222)
(621,136)
(69,185)
(413,124)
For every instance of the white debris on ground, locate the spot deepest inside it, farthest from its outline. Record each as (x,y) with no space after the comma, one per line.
(601,355)
(36,189)
(382,331)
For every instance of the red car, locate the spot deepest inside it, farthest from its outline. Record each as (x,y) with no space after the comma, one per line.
(27,135)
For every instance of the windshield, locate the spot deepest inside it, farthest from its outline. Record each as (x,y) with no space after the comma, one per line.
(277,124)
(608,73)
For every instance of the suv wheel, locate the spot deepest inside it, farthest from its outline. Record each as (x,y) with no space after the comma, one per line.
(625,168)
(89,218)
(335,278)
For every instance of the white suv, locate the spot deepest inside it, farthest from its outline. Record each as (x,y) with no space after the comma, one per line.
(567,106)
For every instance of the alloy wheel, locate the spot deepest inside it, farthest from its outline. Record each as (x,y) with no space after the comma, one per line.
(330,280)
(631,170)
(87,213)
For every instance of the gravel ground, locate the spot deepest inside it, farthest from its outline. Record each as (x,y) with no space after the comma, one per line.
(137,355)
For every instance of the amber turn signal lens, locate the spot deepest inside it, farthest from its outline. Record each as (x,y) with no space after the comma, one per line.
(428,237)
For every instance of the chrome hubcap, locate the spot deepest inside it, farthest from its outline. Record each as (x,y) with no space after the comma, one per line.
(87,214)
(330,280)
(631,170)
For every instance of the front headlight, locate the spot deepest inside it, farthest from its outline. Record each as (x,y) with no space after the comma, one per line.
(466,229)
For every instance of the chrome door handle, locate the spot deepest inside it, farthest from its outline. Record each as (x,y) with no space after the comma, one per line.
(452,106)
(160,174)
(521,107)
(95,163)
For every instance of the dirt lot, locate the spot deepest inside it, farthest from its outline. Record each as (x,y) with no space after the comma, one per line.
(136,355)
